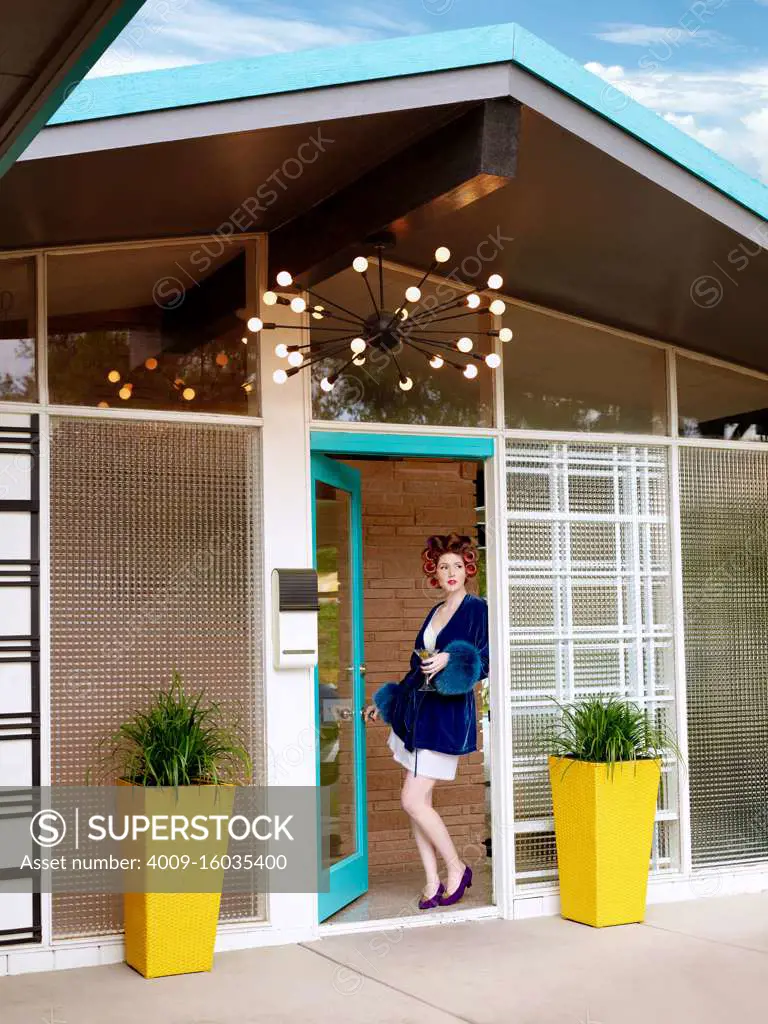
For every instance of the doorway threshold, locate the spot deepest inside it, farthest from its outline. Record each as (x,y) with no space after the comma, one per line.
(427,919)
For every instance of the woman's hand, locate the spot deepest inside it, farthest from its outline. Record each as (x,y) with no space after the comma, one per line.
(431,666)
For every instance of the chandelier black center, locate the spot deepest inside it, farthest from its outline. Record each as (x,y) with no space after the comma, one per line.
(381,330)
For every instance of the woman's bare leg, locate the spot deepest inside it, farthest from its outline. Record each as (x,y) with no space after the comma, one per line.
(417,802)
(428,859)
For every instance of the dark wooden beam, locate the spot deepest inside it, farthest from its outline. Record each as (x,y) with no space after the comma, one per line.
(468,158)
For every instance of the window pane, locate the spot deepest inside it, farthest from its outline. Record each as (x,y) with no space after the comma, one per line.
(17,331)
(370,393)
(590,608)
(723,511)
(560,375)
(153,328)
(714,402)
(155,565)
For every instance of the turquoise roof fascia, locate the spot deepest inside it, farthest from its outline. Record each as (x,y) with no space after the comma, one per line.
(301,70)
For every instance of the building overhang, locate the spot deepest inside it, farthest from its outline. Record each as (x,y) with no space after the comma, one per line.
(45,50)
(598,220)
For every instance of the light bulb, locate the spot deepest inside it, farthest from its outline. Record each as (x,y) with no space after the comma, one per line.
(255,323)
(413,294)
(284,279)
(505,334)
(279,376)
(317,316)
(470,371)
(493,360)
(360,264)
(403,313)
(249,387)
(318,309)
(436,362)
(113,376)
(222,358)
(269,298)
(188,394)
(125,393)
(295,358)
(495,281)
(298,305)
(405,383)
(103,405)
(326,384)
(464,344)
(358,346)
(497,307)
(244,340)
(360,361)
(442,254)
(281,350)
(473,300)
(151,363)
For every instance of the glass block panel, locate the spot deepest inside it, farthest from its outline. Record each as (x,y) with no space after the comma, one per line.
(155,565)
(724,511)
(18,380)
(715,402)
(370,393)
(590,605)
(159,327)
(560,375)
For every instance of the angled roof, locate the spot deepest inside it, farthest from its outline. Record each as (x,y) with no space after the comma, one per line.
(304,70)
(45,49)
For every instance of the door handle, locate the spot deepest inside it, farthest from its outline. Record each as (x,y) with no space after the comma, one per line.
(351,668)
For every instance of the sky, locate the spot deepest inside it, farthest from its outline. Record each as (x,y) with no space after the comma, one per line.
(701,64)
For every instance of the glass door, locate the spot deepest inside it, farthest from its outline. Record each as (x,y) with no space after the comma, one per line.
(336,510)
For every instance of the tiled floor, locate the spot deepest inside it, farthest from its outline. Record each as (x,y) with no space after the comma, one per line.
(399,897)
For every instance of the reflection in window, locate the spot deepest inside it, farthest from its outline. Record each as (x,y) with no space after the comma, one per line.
(560,375)
(369,393)
(151,328)
(17,331)
(715,402)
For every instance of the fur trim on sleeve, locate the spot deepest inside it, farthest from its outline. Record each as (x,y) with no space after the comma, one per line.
(462,671)
(384,698)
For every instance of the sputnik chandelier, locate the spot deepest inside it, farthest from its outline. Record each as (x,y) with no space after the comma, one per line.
(389,327)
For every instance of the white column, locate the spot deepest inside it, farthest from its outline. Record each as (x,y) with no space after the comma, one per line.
(287,525)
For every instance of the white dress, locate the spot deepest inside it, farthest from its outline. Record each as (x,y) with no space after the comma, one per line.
(432,764)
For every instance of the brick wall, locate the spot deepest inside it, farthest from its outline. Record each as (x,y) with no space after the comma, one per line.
(403,503)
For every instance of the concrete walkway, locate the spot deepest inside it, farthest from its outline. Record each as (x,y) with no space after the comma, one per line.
(703,962)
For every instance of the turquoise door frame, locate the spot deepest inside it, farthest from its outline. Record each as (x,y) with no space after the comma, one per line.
(349,878)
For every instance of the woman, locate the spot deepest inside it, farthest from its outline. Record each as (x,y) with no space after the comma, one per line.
(431,728)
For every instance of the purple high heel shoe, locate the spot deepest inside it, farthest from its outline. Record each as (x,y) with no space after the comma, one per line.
(455,896)
(433,901)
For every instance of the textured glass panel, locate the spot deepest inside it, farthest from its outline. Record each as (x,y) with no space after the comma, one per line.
(715,402)
(590,608)
(724,521)
(560,375)
(155,565)
(17,331)
(153,328)
(370,393)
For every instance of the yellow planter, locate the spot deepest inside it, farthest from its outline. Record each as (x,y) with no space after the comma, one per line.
(170,933)
(604,832)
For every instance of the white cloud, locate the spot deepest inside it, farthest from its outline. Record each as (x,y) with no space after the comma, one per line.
(172,33)
(652,35)
(725,110)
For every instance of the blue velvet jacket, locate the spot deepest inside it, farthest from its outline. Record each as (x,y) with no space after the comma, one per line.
(444,720)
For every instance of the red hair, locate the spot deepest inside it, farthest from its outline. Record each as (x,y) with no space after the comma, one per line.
(448,544)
